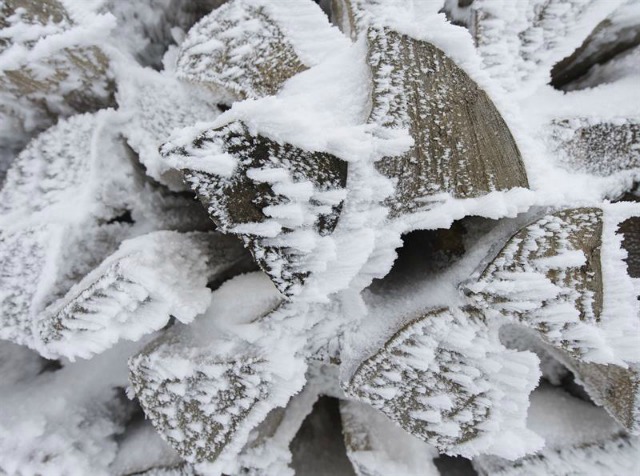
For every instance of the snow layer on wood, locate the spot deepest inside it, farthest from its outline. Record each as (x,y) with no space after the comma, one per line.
(600,148)
(73,170)
(520,41)
(206,386)
(156,104)
(446,379)
(580,439)
(66,421)
(462,146)
(141,449)
(58,194)
(48,55)
(267,451)
(376,446)
(136,290)
(333,120)
(564,276)
(251,47)
(280,199)
(70,198)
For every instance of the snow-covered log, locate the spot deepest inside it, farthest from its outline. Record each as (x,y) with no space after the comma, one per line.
(275,196)
(445,378)
(521,41)
(51,62)
(206,386)
(70,198)
(571,277)
(462,146)
(251,47)
(136,290)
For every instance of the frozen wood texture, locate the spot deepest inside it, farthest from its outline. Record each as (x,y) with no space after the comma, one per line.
(71,78)
(251,47)
(600,148)
(550,277)
(521,41)
(70,198)
(445,380)
(462,146)
(205,388)
(137,290)
(522,281)
(274,191)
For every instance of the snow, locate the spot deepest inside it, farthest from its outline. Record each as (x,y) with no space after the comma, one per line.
(99,244)
(136,290)
(579,437)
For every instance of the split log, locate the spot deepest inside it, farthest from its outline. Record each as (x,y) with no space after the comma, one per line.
(137,290)
(462,146)
(446,380)
(205,388)
(271,42)
(69,78)
(551,277)
(273,195)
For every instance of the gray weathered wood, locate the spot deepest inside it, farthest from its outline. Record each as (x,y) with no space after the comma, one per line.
(462,147)
(539,255)
(63,70)
(239,200)
(429,379)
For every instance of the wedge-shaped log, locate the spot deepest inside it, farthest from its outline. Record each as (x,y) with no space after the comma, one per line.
(580,439)
(279,198)
(570,277)
(251,47)
(137,289)
(446,380)
(521,41)
(600,148)
(462,146)
(376,446)
(69,77)
(205,386)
